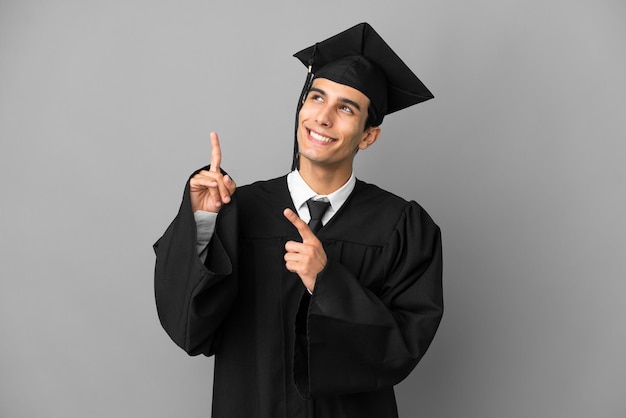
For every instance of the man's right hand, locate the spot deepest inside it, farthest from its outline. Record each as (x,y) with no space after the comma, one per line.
(209,189)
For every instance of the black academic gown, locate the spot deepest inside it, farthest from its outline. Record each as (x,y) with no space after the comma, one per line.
(280,352)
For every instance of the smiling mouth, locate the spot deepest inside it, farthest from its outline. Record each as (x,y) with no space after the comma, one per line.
(319,137)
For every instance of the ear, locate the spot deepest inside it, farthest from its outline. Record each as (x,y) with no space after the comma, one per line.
(371,135)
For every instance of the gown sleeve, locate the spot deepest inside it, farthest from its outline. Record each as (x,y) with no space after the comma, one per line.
(193,297)
(350,339)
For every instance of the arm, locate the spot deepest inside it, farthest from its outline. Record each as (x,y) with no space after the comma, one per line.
(359,341)
(205,226)
(192,296)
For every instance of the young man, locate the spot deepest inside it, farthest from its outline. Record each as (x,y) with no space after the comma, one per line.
(316,292)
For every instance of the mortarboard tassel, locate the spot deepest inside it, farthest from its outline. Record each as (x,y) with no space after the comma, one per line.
(305,91)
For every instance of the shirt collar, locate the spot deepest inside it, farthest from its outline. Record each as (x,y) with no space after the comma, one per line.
(301,192)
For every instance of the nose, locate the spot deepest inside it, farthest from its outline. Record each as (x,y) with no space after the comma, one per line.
(323,116)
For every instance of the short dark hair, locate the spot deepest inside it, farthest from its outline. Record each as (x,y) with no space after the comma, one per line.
(371,117)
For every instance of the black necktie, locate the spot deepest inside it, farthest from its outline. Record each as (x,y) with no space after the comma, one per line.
(317,209)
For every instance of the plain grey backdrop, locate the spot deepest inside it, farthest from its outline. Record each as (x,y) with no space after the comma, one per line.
(106,108)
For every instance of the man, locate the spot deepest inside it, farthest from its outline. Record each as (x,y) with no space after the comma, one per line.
(316,292)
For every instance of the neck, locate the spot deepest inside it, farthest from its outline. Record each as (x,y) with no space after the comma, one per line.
(324,180)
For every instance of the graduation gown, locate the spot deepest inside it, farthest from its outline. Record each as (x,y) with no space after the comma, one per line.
(280,351)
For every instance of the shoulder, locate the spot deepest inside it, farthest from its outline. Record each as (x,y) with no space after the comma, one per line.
(372,216)
(261,206)
(393,210)
(373,193)
(385,204)
(262,189)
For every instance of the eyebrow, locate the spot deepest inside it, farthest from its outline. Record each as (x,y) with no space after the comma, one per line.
(341,99)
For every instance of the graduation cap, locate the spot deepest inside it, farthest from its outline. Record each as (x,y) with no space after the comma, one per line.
(358,57)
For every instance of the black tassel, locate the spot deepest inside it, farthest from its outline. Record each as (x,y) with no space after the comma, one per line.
(303,94)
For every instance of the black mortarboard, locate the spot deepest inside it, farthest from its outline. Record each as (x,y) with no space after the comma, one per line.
(360,58)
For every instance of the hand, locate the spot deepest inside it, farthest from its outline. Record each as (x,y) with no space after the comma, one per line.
(209,189)
(306,258)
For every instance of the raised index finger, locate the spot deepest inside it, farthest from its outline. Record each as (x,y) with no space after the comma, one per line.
(303,229)
(216,153)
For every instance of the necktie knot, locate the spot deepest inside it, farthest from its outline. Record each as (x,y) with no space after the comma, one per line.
(317,209)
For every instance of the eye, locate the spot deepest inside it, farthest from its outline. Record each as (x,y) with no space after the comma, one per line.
(346,109)
(316,97)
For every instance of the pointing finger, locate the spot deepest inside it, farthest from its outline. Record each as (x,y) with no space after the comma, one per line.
(216,153)
(303,229)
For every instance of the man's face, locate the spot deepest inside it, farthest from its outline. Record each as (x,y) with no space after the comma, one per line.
(331,125)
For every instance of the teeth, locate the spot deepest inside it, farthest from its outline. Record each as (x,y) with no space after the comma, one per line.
(319,137)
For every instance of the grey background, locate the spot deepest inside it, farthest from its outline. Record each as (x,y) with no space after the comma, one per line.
(105,108)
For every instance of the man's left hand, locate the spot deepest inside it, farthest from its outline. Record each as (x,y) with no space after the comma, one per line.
(306,258)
